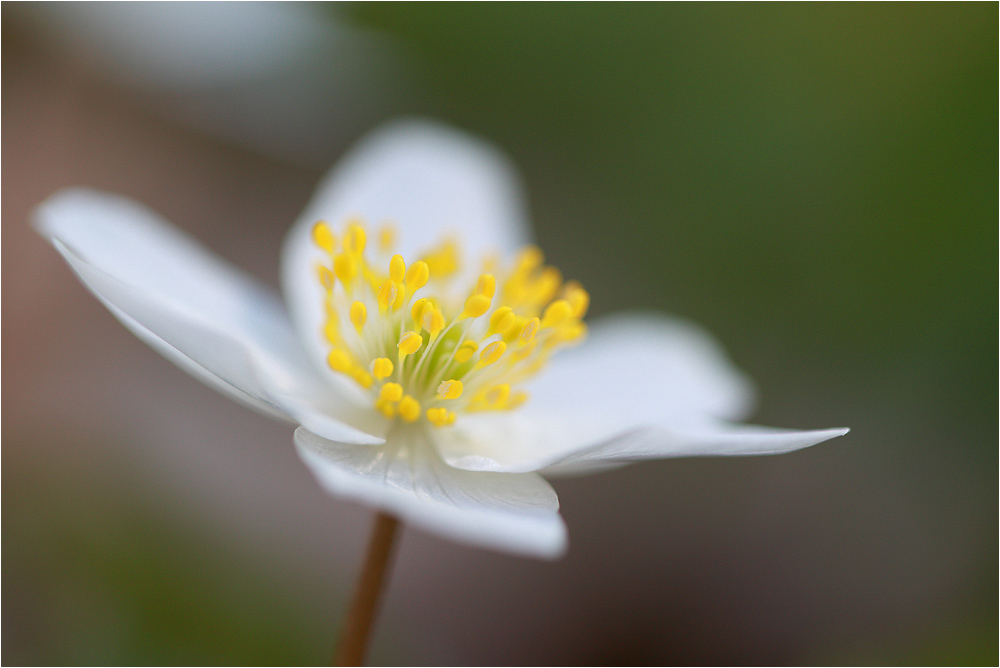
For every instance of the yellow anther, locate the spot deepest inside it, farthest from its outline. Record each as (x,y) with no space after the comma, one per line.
(516,399)
(359,313)
(486,285)
(528,331)
(386,408)
(571,331)
(578,298)
(325,277)
(475,306)
(528,258)
(400,296)
(391,392)
(382,368)
(450,389)
(386,237)
(464,352)
(514,291)
(330,331)
(354,240)
(397,268)
(439,417)
(363,378)
(525,351)
(417,275)
(544,288)
(502,320)
(345,267)
(339,360)
(323,237)
(432,320)
(515,329)
(556,313)
(492,353)
(409,344)
(409,409)
(443,261)
(417,310)
(387,293)
(497,394)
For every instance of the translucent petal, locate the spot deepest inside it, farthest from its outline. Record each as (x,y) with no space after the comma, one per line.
(641,387)
(511,512)
(211,319)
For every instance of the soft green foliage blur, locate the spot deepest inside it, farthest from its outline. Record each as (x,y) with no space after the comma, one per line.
(816,184)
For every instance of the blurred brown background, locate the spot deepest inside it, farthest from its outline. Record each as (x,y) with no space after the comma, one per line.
(815,184)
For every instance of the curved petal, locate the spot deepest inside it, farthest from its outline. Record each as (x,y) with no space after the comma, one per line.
(431,182)
(636,367)
(510,512)
(641,387)
(212,320)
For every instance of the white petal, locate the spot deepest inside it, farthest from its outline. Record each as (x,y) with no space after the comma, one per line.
(641,366)
(212,320)
(641,387)
(431,182)
(511,512)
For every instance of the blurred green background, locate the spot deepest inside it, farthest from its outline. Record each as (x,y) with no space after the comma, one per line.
(816,184)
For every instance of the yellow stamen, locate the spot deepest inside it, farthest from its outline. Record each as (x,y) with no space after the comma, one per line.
(529,330)
(362,377)
(400,296)
(486,286)
(578,298)
(323,237)
(339,360)
(387,293)
(325,277)
(382,368)
(386,408)
(345,267)
(391,392)
(475,306)
(450,389)
(354,240)
(409,409)
(443,262)
(531,314)
(432,320)
(417,275)
(501,320)
(556,313)
(492,353)
(359,313)
(397,268)
(417,310)
(516,399)
(409,344)
(465,351)
(497,394)
(439,417)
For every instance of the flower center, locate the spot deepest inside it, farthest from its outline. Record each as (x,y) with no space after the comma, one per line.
(425,348)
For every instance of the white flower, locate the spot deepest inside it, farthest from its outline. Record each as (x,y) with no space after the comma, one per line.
(439,412)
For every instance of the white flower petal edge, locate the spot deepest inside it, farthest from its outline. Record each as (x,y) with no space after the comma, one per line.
(512,512)
(642,386)
(431,181)
(209,318)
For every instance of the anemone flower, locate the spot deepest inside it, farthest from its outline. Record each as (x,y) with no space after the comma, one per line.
(437,368)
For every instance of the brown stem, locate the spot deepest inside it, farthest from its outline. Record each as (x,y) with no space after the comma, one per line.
(350,651)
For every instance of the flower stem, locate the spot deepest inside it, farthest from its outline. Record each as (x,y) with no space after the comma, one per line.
(350,650)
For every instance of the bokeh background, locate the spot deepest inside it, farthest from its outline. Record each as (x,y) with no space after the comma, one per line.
(816,184)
